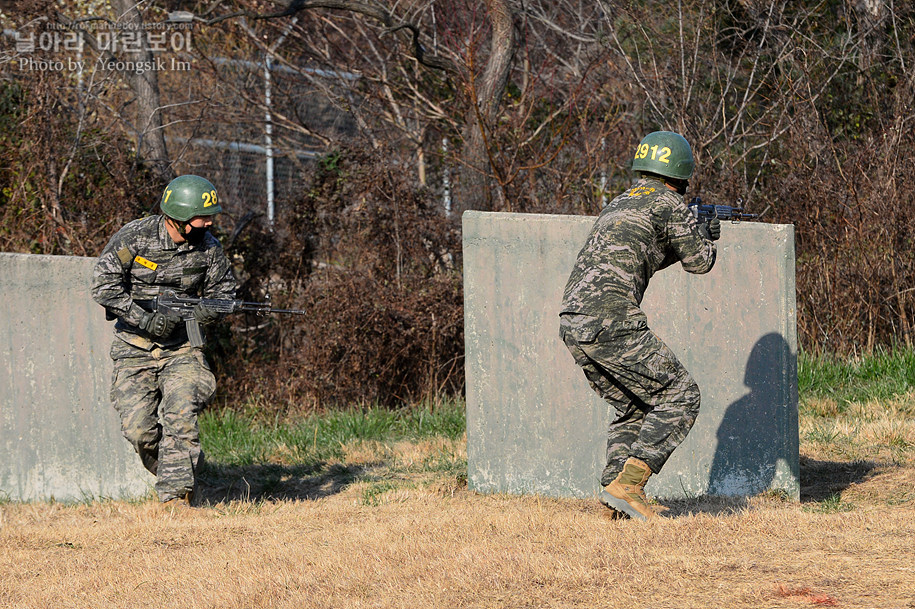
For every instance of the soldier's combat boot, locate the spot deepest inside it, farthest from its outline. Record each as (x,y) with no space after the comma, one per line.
(626,493)
(612,513)
(182,502)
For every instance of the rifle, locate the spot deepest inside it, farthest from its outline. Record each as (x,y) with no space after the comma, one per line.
(169,303)
(704,213)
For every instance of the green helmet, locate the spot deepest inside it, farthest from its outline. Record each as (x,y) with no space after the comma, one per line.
(189,196)
(665,153)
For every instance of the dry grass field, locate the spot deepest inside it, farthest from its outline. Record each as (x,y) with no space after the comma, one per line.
(393,525)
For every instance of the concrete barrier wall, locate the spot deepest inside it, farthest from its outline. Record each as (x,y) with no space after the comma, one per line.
(59,436)
(535,426)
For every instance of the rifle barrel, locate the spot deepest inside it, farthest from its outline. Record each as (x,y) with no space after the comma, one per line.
(255,307)
(259,307)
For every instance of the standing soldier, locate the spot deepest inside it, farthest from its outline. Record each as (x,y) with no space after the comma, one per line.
(643,230)
(160,381)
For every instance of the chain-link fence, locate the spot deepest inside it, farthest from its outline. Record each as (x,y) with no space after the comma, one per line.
(251,128)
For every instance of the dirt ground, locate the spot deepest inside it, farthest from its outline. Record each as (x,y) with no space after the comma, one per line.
(368,535)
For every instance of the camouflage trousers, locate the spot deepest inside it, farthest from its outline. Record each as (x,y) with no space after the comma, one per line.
(655,399)
(158,394)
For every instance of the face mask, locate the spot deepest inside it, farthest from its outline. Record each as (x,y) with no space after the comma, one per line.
(194,234)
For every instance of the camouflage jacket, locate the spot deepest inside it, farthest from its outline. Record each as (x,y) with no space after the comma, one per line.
(142,258)
(643,230)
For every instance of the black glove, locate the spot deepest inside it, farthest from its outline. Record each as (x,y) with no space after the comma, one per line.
(714,229)
(205,315)
(158,324)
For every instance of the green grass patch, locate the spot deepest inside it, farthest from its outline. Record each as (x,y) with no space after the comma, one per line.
(859,408)
(373,493)
(828,384)
(831,505)
(236,439)
(855,409)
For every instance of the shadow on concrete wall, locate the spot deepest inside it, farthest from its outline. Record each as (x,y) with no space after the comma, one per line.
(748,448)
(746,457)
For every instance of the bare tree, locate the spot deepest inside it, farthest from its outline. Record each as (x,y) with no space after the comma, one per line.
(483,85)
(871,16)
(485,92)
(150,136)
(146,120)
(751,59)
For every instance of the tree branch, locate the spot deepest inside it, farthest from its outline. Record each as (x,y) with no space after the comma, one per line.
(387,20)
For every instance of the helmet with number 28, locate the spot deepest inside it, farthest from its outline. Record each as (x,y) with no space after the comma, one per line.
(664,153)
(188,196)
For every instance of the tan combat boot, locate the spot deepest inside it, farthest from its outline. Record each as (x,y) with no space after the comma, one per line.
(626,493)
(180,503)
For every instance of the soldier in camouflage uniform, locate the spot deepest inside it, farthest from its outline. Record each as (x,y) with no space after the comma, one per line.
(643,230)
(160,382)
